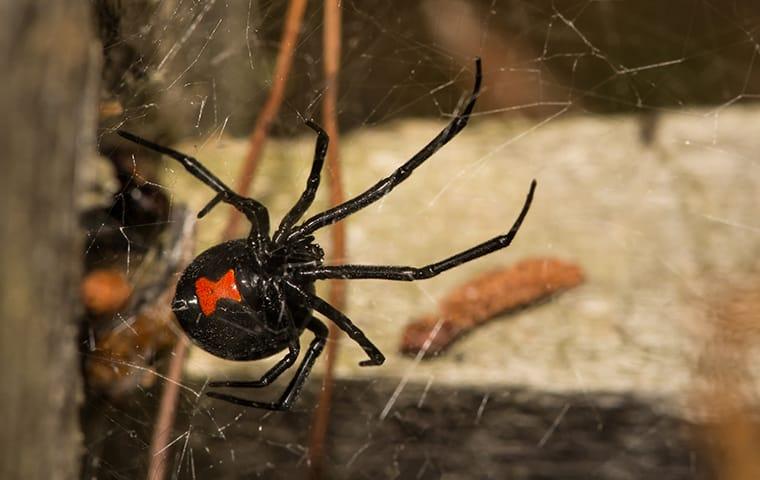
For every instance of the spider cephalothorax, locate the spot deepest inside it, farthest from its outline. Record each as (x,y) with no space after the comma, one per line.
(251,298)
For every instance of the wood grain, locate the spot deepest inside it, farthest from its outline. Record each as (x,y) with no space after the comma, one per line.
(51,69)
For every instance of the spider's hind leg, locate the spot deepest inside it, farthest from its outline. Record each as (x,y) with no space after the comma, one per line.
(294,387)
(270,376)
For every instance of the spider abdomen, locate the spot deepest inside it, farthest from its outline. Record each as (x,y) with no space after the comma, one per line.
(232,311)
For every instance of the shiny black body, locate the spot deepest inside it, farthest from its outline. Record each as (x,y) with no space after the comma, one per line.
(274,276)
(255,328)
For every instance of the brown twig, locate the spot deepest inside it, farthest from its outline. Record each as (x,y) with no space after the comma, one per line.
(260,132)
(258,137)
(479,300)
(332,48)
(168,406)
(166,412)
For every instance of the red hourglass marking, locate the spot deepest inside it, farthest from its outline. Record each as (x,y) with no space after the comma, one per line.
(209,291)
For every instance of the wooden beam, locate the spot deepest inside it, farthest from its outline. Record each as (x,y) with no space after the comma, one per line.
(50,67)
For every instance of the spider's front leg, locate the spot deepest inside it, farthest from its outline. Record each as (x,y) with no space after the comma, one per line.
(255,211)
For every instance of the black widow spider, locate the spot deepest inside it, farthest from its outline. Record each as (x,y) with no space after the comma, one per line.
(251,298)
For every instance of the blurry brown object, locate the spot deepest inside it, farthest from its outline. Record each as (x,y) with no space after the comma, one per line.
(110,108)
(105,291)
(518,84)
(122,356)
(732,441)
(130,317)
(726,398)
(491,294)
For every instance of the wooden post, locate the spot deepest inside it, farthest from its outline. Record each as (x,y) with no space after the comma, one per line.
(50,73)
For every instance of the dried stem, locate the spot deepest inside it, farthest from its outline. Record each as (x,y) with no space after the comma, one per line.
(168,407)
(260,133)
(166,412)
(332,51)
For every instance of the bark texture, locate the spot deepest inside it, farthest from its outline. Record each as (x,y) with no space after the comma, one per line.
(50,68)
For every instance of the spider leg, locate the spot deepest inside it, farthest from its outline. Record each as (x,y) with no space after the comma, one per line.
(384,186)
(294,348)
(312,184)
(254,210)
(376,357)
(270,376)
(191,164)
(294,387)
(387,272)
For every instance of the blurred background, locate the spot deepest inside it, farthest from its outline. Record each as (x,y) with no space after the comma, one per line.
(613,339)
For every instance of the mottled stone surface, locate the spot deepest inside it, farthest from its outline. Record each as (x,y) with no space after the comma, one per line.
(656,228)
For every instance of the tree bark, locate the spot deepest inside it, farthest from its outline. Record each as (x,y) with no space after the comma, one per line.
(50,73)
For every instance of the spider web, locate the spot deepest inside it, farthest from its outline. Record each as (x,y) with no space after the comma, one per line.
(636,118)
